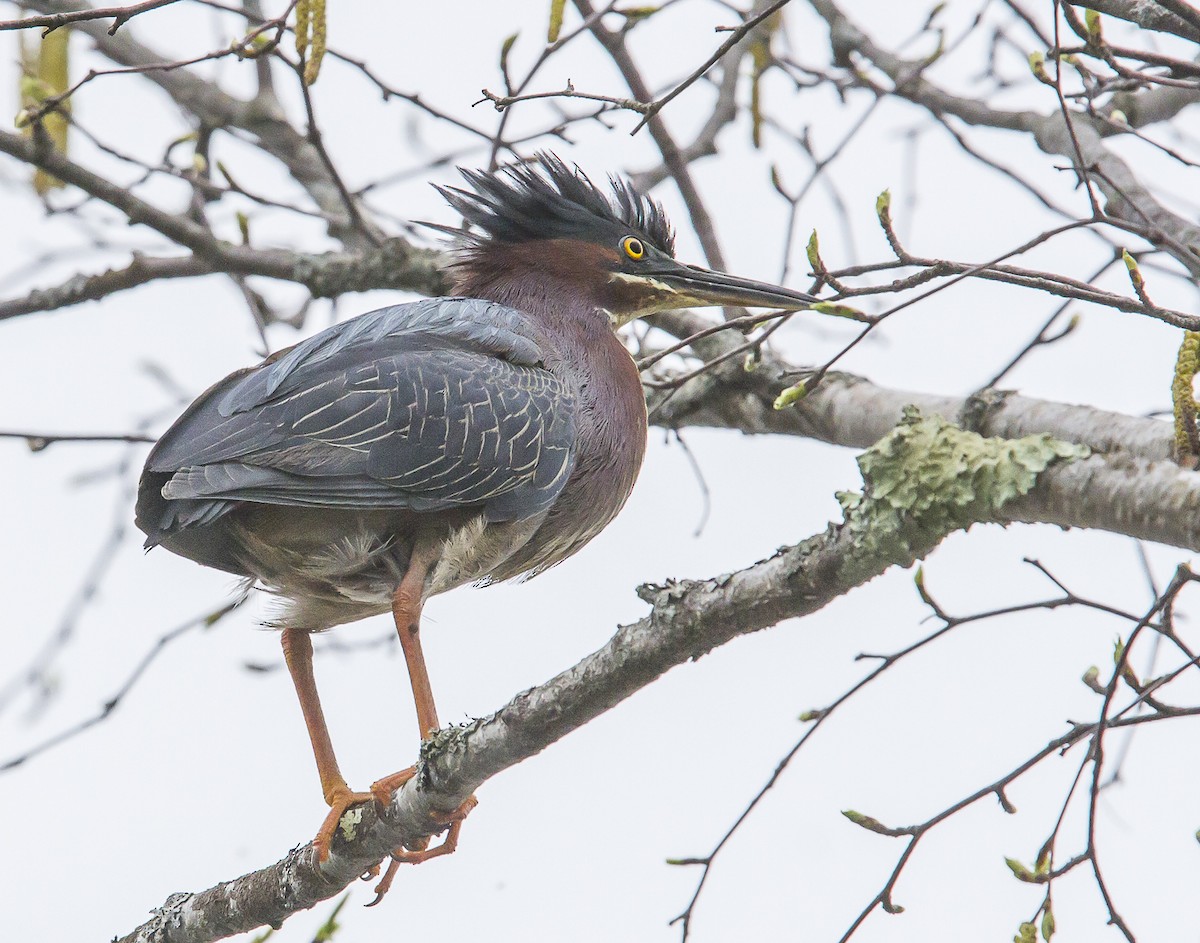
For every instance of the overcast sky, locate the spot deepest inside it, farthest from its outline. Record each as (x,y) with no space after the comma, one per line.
(205,771)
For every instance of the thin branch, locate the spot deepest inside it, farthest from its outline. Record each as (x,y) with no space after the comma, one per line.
(120,15)
(736,35)
(206,620)
(79,288)
(37,441)
(501,102)
(214,108)
(1075,136)
(614,43)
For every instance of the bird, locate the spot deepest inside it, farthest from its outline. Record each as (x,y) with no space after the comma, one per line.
(408,451)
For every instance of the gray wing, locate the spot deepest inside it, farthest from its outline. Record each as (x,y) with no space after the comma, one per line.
(432,405)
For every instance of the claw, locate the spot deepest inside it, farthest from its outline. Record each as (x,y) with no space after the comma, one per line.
(424,853)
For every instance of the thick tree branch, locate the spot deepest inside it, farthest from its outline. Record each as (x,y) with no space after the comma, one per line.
(37,151)
(689,618)
(1134,489)
(1146,14)
(850,410)
(1122,479)
(1154,105)
(1129,486)
(80,288)
(393,264)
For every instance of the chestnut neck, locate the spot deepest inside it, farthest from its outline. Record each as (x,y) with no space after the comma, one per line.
(563,284)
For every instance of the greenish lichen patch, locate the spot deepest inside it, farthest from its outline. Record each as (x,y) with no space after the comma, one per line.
(927,478)
(349,822)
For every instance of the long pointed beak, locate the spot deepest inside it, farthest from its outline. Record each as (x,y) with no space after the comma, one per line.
(702,286)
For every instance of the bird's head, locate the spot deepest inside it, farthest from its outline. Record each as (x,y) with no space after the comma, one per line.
(542,228)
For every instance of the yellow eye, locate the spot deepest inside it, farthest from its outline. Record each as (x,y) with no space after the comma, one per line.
(633,247)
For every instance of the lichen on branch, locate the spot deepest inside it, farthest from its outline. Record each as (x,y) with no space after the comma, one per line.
(927,478)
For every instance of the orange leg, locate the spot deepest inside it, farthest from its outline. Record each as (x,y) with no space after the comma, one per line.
(297,653)
(406,610)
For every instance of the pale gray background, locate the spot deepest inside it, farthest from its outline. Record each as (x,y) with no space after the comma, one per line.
(205,771)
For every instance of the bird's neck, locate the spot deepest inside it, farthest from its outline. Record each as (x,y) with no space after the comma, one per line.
(610,409)
(561,310)
(555,280)
(556,285)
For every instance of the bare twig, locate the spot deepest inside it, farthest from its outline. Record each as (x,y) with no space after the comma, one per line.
(120,16)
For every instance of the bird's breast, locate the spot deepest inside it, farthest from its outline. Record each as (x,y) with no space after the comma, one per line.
(609,447)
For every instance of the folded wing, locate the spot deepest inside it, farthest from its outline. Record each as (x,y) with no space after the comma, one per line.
(426,406)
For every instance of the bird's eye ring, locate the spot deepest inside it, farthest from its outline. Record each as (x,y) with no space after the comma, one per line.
(633,247)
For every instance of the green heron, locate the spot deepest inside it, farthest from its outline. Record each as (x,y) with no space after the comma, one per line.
(413,449)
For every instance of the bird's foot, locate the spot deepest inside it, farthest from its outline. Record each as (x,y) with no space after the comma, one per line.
(382,789)
(339,800)
(422,852)
(449,844)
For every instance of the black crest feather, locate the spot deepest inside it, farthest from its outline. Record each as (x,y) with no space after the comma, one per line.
(547,199)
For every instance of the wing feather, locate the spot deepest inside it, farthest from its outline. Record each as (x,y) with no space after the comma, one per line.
(438,404)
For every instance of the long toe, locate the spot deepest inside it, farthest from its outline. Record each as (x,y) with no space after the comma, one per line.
(382,789)
(424,853)
(449,818)
(339,803)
